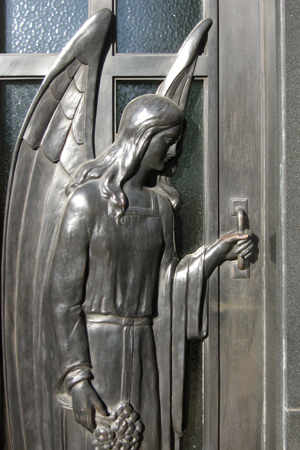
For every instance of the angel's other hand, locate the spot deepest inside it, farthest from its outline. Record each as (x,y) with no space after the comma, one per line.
(85,403)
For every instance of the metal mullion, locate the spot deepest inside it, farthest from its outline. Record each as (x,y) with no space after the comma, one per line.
(96,5)
(103,135)
(104,117)
(211,369)
(141,65)
(26,65)
(149,65)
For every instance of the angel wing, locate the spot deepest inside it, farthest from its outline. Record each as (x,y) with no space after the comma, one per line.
(177,83)
(57,136)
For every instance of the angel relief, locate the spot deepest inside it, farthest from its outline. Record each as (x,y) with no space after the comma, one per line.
(97,306)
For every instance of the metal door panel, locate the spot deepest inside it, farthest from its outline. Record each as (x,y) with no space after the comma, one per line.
(246,326)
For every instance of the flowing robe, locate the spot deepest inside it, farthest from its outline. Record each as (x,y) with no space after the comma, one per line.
(123,307)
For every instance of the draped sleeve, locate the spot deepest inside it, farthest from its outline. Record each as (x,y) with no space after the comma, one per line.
(188,322)
(181,316)
(189,284)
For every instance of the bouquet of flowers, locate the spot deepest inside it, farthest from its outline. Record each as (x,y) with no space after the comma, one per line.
(121,430)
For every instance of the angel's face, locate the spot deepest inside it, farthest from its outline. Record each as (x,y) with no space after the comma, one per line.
(162,149)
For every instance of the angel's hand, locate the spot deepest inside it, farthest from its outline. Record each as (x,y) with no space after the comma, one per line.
(229,246)
(85,403)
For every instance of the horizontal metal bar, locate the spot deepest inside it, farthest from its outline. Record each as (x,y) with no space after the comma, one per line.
(156,65)
(292,410)
(21,65)
(26,65)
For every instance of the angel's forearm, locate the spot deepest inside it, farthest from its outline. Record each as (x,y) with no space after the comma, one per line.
(212,259)
(72,338)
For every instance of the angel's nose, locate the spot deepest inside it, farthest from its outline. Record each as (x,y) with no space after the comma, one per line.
(172,150)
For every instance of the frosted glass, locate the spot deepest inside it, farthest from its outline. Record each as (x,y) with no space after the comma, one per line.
(128,90)
(189,177)
(15,98)
(43,26)
(155,26)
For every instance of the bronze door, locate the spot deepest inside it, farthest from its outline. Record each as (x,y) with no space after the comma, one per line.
(236,386)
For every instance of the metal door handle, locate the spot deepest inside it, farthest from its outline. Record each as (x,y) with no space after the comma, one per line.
(240,215)
(239,208)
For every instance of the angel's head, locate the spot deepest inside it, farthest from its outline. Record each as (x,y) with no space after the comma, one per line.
(145,117)
(147,122)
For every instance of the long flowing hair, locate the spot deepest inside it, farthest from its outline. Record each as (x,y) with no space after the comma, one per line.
(142,118)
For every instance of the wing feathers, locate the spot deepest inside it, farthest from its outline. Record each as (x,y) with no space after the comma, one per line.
(40,119)
(180,74)
(72,68)
(80,78)
(73,154)
(56,135)
(70,100)
(50,123)
(77,124)
(24,288)
(60,84)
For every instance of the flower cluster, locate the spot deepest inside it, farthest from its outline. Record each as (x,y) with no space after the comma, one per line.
(124,433)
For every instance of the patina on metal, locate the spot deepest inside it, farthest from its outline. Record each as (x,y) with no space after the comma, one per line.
(97,307)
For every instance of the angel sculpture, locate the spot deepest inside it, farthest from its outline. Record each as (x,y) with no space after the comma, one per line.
(97,307)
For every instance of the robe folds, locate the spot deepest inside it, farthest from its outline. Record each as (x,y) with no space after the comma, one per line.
(123,308)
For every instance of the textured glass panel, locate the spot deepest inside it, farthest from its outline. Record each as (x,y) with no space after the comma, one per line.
(188,224)
(43,26)
(189,176)
(293,434)
(15,98)
(155,26)
(128,90)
